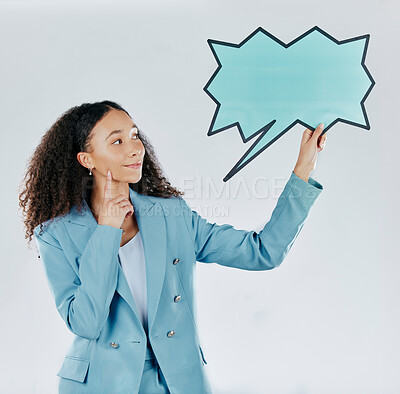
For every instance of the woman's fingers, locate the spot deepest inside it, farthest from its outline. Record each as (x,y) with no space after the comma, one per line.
(114,210)
(322,142)
(127,206)
(318,131)
(308,134)
(107,186)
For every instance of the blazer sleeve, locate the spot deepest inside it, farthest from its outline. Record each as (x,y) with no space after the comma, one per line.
(249,250)
(82,298)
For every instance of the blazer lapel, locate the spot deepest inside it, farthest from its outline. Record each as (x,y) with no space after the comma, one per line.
(151,223)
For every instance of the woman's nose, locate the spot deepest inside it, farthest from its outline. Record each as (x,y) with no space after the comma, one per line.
(136,152)
(136,148)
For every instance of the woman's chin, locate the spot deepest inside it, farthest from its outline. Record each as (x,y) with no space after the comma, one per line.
(134,179)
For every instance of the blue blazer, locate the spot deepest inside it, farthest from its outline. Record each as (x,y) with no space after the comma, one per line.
(92,295)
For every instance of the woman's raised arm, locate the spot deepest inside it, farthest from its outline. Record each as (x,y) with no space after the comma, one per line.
(249,250)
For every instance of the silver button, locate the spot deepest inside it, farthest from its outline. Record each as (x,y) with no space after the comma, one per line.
(171,333)
(176,261)
(177,298)
(114,344)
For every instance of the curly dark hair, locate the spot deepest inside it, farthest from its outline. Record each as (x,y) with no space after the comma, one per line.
(55,181)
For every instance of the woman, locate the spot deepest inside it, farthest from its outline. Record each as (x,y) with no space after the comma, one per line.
(119,247)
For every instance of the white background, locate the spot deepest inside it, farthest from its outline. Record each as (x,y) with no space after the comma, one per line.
(327,320)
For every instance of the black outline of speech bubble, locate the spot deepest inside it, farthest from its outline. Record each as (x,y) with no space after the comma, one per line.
(264,129)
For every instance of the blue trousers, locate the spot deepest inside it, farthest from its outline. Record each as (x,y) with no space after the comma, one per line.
(153,381)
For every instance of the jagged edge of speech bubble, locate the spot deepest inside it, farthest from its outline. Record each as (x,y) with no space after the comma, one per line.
(265,128)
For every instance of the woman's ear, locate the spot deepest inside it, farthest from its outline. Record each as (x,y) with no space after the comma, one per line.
(84,160)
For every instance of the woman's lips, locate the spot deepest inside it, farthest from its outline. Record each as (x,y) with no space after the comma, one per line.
(136,166)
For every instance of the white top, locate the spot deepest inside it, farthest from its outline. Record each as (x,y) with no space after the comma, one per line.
(131,257)
(132,260)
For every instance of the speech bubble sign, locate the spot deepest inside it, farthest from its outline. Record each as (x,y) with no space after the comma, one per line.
(264,86)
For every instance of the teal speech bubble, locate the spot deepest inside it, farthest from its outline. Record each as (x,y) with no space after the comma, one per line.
(264,86)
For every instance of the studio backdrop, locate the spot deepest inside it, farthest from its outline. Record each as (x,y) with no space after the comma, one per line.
(224,91)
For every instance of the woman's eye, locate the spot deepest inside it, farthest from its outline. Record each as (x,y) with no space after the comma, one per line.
(134,136)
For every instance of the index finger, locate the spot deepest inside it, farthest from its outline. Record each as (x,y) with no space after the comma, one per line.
(107,187)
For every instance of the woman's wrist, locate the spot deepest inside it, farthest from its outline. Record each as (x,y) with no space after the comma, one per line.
(302,173)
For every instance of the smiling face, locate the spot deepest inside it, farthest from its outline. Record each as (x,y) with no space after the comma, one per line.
(115,145)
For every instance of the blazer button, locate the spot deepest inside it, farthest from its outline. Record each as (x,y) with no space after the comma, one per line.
(114,345)
(171,333)
(177,298)
(176,261)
